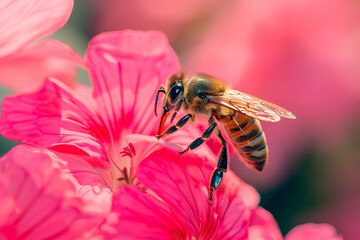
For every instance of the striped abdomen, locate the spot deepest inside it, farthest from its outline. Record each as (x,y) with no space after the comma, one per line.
(248,139)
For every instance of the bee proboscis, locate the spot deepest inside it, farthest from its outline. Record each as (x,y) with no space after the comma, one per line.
(239,112)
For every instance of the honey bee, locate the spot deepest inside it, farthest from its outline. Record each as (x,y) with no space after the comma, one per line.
(239,112)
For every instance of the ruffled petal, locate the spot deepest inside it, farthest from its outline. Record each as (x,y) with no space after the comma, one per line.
(188,198)
(53,118)
(27,70)
(137,215)
(39,198)
(127,69)
(234,203)
(92,181)
(24,21)
(183,182)
(313,231)
(263,226)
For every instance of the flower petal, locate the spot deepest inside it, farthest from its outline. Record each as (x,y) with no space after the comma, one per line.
(42,197)
(172,183)
(53,118)
(137,215)
(233,216)
(27,70)
(38,18)
(127,69)
(91,180)
(314,232)
(183,184)
(263,226)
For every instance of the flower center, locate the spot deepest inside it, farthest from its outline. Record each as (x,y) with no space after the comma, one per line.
(126,172)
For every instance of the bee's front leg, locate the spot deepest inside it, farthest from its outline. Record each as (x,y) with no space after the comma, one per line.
(177,126)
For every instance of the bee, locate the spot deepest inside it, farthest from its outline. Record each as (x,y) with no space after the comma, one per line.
(239,112)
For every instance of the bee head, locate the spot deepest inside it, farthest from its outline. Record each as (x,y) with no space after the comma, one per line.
(174,91)
(173,98)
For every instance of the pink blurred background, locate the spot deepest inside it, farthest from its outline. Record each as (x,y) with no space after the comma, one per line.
(302,55)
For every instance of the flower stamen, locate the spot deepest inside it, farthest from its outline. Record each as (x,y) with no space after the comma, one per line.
(125,176)
(128,151)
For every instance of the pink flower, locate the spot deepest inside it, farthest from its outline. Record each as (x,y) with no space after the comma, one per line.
(94,140)
(24,22)
(39,201)
(93,135)
(313,232)
(93,132)
(174,203)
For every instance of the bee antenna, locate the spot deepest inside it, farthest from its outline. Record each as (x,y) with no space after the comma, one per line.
(161,89)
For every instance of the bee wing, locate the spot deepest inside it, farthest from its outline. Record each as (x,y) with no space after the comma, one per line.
(251,106)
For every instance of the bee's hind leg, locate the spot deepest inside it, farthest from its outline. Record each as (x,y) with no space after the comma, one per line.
(224,155)
(223,160)
(222,165)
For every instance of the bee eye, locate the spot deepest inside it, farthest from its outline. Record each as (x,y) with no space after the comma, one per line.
(202,95)
(175,91)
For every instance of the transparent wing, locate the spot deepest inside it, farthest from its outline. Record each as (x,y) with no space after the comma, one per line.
(251,106)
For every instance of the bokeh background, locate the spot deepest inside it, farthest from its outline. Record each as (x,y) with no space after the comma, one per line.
(303,55)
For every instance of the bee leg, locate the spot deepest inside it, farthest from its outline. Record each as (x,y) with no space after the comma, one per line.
(224,155)
(222,165)
(211,120)
(223,158)
(215,181)
(175,127)
(197,142)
